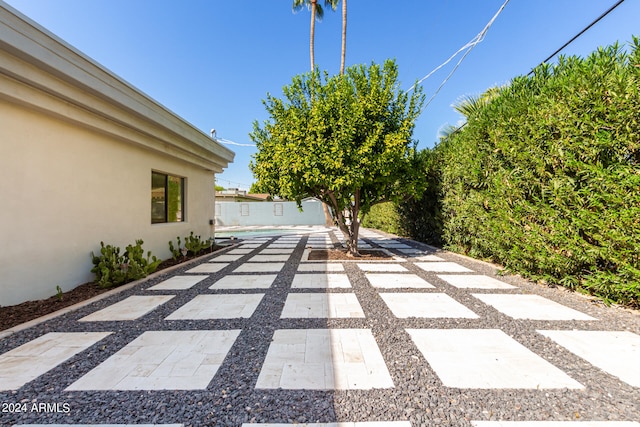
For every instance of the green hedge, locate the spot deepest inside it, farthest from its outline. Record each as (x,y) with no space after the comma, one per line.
(545,178)
(383,216)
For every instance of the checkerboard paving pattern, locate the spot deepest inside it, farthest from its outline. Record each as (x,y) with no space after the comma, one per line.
(440,307)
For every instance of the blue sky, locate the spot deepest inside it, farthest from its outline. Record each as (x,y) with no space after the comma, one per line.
(212,62)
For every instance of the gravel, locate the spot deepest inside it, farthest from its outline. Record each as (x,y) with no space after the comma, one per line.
(418,396)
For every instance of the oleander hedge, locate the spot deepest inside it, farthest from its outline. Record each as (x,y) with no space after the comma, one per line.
(545,178)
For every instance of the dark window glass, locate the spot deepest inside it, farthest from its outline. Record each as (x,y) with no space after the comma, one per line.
(167,198)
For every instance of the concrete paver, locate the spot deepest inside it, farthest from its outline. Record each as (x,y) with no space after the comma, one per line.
(305,306)
(487,359)
(162,360)
(431,305)
(320,281)
(225,306)
(324,359)
(30,360)
(130,308)
(615,352)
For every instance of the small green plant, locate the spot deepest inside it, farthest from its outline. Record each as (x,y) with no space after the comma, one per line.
(175,250)
(192,245)
(112,269)
(59,293)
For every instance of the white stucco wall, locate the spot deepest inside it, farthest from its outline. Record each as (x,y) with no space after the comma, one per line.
(77,147)
(65,188)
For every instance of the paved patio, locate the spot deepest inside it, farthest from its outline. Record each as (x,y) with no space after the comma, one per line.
(258,334)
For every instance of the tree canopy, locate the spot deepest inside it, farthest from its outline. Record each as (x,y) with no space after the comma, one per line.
(345,139)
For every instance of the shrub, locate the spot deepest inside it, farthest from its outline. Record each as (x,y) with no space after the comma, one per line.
(383,216)
(544,178)
(113,269)
(192,245)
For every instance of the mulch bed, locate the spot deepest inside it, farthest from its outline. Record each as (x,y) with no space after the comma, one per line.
(342,255)
(13,315)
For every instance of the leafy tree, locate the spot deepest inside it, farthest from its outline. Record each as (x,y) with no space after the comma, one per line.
(219,188)
(346,140)
(317,13)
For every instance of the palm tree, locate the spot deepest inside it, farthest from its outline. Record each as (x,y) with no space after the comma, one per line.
(344,35)
(469,106)
(316,13)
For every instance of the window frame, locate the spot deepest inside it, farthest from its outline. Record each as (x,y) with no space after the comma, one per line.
(181,208)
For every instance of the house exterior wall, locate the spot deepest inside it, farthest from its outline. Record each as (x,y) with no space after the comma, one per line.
(77,148)
(65,189)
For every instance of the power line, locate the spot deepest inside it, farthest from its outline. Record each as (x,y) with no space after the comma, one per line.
(469,46)
(584,30)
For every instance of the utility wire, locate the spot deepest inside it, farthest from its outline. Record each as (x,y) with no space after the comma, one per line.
(469,46)
(229,142)
(584,30)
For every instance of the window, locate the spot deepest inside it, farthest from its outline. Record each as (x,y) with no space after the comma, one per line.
(167,198)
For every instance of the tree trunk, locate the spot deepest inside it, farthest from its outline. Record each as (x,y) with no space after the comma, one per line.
(312,32)
(344,35)
(354,227)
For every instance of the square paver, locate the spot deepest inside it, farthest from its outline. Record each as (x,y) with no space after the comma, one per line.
(320,266)
(615,352)
(226,258)
(534,307)
(554,424)
(427,257)
(178,283)
(207,267)
(282,246)
(245,281)
(341,424)
(485,359)
(162,360)
(474,281)
(334,305)
(324,359)
(260,267)
(431,305)
(268,258)
(276,251)
(130,308)
(240,251)
(32,359)
(385,280)
(381,267)
(320,281)
(443,267)
(223,306)
(250,245)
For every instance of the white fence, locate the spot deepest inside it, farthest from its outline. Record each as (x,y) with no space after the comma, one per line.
(270,213)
